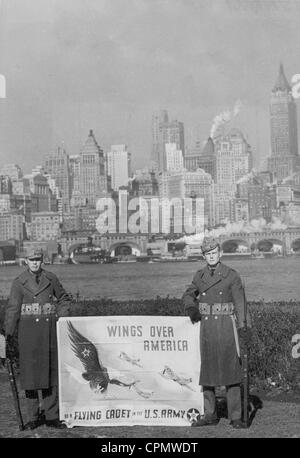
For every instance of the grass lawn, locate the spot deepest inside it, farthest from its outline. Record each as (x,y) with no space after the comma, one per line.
(277,418)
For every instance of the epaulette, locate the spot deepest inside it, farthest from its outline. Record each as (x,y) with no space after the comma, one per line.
(49,275)
(22,277)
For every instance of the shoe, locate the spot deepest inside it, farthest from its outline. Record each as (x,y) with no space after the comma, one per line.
(206,422)
(32,425)
(55,424)
(238,424)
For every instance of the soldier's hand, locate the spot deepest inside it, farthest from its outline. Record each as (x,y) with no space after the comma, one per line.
(194,314)
(245,334)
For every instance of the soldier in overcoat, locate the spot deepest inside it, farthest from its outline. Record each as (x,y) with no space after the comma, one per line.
(37,300)
(216,297)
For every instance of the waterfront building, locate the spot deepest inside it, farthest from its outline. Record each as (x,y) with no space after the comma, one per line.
(223,197)
(118,161)
(261,200)
(56,164)
(44,226)
(92,180)
(12,227)
(240,207)
(284,159)
(80,218)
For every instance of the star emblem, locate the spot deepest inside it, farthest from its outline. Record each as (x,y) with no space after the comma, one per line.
(86,353)
(192,415)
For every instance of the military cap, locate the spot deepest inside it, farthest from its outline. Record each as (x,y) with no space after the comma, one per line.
(208,244)
(34,253)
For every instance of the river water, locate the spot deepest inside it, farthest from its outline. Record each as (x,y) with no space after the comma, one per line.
(268,279)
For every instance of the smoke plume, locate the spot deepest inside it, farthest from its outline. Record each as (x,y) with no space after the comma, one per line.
(255,225)
(225,117)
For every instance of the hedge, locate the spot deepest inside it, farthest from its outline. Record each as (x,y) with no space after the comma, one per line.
(274,324)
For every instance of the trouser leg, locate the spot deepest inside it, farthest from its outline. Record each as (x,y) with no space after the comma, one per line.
(209,396)
(234,402)
(50,402)
(32,404)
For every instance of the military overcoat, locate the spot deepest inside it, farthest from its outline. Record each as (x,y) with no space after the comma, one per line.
(36,333)
(220,362)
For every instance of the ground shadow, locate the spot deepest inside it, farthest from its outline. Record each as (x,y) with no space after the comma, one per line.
(254,404)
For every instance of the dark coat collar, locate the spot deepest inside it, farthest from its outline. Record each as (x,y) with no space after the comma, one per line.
(221,272)
(28,281)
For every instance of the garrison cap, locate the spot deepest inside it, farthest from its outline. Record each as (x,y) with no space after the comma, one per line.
(208,244)
(34,253)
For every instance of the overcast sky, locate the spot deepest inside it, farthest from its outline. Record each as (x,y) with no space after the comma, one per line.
(106,65)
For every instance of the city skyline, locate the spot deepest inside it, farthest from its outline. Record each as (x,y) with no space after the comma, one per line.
(71,67)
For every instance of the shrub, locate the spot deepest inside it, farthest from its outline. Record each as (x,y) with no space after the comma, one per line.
(274,323)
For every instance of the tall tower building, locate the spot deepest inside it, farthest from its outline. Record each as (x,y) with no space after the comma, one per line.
(284,143)
(118,166)
(202,157)
(56,164)
(233,158)
(74,164)
(170,132)
(92,181)
(158,117)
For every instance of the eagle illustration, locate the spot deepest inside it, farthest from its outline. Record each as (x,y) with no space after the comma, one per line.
(95,373)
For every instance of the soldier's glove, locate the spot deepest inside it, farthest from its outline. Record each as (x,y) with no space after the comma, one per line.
(194,314)
(245,335)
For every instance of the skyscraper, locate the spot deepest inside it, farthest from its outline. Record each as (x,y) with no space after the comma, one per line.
(92,182)
(202,157)
(56,164)
(174,158)
(160,116)
(233,158)
(170,132)
(118,166)
(283,116)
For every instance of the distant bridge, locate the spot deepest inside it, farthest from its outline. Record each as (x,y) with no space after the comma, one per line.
(288,239)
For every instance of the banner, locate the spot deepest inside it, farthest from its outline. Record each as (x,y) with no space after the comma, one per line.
(129,370)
